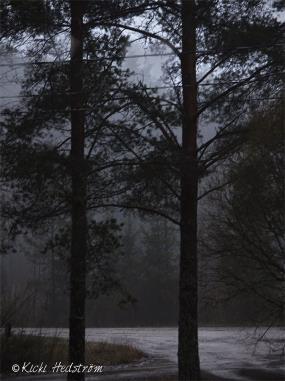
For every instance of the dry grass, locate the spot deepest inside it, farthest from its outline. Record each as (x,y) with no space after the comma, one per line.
(112,354)
(22,348)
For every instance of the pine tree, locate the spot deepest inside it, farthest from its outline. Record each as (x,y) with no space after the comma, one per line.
(224,70)
(49,184)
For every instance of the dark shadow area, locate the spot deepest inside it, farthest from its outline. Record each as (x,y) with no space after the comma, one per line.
(259,375)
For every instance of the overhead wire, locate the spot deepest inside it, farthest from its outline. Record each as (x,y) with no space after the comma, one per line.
(153,87)
(122,98)
(133,56)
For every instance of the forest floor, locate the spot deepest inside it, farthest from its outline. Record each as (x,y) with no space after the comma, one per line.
(227,354)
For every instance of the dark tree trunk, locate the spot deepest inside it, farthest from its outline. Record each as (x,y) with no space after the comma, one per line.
(79,222)
(188,351)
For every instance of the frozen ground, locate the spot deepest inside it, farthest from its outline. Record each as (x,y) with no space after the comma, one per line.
(226,353)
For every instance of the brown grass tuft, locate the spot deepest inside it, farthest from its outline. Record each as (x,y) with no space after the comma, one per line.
(20,348)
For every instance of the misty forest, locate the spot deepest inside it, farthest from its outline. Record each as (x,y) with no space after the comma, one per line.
(142,189)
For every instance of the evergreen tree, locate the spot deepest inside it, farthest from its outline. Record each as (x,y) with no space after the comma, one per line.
(224,70)
(56,172)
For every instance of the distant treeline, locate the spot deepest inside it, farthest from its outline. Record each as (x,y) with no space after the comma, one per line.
(146,293)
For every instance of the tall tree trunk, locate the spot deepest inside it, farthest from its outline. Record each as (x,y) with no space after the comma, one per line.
(78,173)
(188,351)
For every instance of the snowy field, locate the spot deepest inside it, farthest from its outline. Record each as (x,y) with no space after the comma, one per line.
(227,353)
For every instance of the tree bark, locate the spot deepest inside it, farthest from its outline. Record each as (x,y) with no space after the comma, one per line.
(188,351)
(78,201)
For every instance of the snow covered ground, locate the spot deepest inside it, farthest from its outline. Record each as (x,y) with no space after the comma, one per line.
(227,353)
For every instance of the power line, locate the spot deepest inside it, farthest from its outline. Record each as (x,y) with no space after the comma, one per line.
(87,60)
(205,52)
(124,98)
(145,88)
